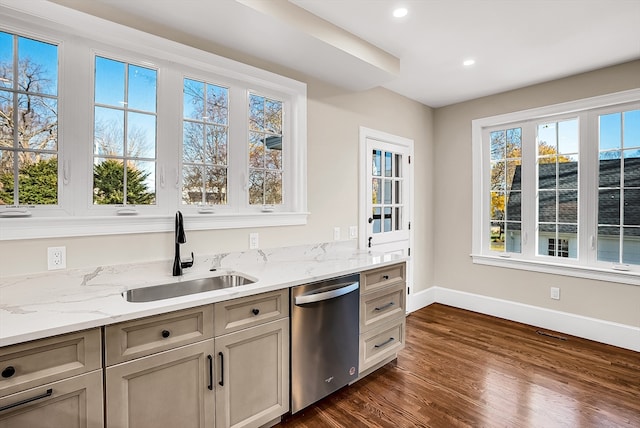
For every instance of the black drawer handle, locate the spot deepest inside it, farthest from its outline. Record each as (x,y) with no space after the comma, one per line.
(385,277)
(166,333)
(383,307)
(221,355)
(255,311)
(210,386)
(28,400)
(8,372)
(385,343)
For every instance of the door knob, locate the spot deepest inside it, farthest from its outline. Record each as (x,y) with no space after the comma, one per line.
(370,220)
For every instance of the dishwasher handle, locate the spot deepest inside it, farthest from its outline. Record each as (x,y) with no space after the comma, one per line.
(319,297)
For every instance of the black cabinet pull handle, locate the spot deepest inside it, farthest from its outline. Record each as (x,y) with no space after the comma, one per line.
(8,372)
(210,386)
(255,311)
(383,307)
(221,355)
(370,220)
(28,400)
(386,342)
(385,277)
(166,333)
(370,238)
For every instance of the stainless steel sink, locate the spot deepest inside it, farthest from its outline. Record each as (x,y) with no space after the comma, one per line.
(183,288)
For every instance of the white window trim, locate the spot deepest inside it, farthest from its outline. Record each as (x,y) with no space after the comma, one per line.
(50,22)
(479,251)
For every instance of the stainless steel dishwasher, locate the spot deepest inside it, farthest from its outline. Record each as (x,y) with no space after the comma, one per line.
(324,338)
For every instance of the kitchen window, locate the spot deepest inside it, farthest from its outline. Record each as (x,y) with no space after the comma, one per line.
(125,134)
(28,122)
(556,189)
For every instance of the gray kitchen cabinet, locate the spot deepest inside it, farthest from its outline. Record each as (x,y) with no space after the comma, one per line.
(160,371)
(252,384)
(53,382)
(382,316)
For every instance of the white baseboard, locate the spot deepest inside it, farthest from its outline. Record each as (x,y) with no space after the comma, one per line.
(611,333)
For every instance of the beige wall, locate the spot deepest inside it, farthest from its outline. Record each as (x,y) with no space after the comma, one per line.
(453,211)
(334,118)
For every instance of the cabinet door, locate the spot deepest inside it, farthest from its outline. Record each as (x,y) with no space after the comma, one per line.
(169,389)
(70,403)
(252,386)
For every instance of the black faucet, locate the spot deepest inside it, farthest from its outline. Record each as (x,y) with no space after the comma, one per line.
(180,238)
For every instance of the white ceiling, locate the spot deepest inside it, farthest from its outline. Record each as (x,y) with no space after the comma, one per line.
(515,43)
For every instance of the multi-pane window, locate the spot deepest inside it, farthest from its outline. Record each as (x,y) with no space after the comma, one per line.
(506,191)
(557,189)
(386,191)
(265,151)
(619,187)
(557,161)
(205,143)
(28,121)
(124,143)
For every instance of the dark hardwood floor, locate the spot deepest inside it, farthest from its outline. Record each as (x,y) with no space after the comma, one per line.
(464,369)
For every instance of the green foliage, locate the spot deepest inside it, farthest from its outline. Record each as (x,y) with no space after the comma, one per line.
(108,183)
(38,184)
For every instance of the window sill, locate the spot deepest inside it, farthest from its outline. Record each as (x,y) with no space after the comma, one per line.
(597,273)
(35,228)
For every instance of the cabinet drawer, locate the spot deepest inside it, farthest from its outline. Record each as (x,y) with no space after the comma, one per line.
(74,402)
(377,278)
(381,306)
(234,315)
(31,364)
(133,339)
(380,343)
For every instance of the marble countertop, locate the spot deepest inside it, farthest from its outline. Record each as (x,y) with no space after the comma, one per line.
(57,302)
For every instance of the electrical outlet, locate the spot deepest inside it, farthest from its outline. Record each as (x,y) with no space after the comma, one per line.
(555,293)
(56,258)
(254,241)
(336,233)
(353,232)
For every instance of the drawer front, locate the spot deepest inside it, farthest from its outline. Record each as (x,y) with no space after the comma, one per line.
(133,339)
(382,306)
(234,315)
(378,344)
(70,403)
(377,278)
(36,363)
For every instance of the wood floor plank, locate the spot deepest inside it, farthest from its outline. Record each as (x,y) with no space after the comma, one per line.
(464,369)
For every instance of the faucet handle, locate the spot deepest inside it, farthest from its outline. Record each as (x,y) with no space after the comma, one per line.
(188,263)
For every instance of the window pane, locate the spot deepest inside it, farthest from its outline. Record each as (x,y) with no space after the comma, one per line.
(216,151)
(398,218)
(609,170)
(377,220)
(273,116)
(632,168)
(498,175)
(192,184)
(568,141)
(631,245)
(497,237)
(631,207)
(6,119)
(141,182)
(7,184)
(37,67)
(498,145)
(547,206)
(376,167)
(514,143)
(547,173)
(568,175)
(513,178)
(38,179)
(398,192)
(547,139)
(256,150)
(376,185)
(256,187)
(387,219)
(193,101)
(108,132)
(514,203)
(273,188)
(216,186)
(387,192)
(141,135)
(217,105)
(142,89)
(388,164)
(631,128)
(38,122)
(568,206)
(109,82)
(6,59)
(497,207)
(398,166)
(513,238)
(193,142)
(256,113)
(610,131)
(273,152)
(609,207)
(609,244)
(108,181)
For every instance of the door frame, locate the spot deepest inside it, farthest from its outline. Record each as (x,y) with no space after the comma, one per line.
(405,143)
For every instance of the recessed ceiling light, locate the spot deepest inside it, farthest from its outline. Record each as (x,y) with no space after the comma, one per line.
(400,12)
(469,62)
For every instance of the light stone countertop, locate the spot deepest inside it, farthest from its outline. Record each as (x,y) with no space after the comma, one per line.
(50,303)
